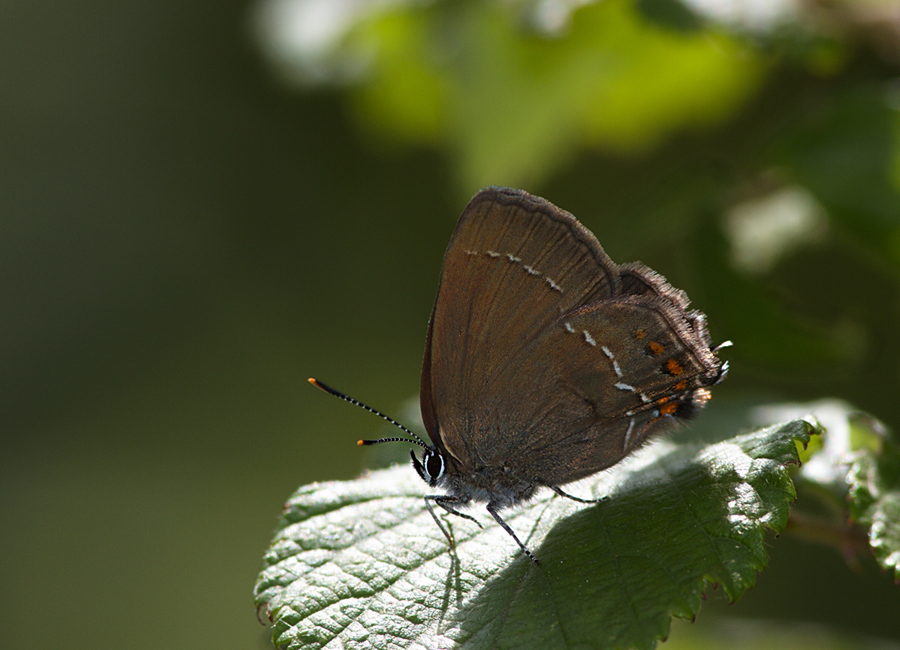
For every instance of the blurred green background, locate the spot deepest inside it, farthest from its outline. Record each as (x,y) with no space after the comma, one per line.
(202,204)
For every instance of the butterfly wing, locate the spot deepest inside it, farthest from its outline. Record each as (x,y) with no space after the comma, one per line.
(619,371)
(531,322)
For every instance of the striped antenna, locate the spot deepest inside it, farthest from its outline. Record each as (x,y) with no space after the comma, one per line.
(416,440)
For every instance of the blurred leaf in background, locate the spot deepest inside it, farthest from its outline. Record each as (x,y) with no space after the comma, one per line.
(514,90)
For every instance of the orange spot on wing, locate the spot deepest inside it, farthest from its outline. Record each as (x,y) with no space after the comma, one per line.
(657,348)
(669,408)
(681,385)
(639,334)
(674,367)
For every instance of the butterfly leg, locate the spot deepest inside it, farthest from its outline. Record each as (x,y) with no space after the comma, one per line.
(556,489)
(446,502)
(491,509)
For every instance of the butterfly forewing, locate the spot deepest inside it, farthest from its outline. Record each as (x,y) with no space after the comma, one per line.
(514,264)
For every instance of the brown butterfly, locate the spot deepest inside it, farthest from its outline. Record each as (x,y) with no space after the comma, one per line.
(546,362)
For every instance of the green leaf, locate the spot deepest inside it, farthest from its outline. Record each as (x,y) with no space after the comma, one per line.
(874,480)
(852,479)
(360,564)
(513,103)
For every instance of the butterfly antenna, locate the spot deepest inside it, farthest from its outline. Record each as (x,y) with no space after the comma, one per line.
(415,438)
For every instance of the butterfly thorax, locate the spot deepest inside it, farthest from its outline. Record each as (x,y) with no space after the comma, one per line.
(496,485)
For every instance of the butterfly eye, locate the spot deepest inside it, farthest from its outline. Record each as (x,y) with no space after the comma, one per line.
(434,465)
(431,467)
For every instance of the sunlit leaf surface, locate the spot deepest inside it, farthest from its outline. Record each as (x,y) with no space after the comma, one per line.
(361,564)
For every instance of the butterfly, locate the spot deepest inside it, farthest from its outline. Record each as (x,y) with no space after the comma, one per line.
(546,362)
